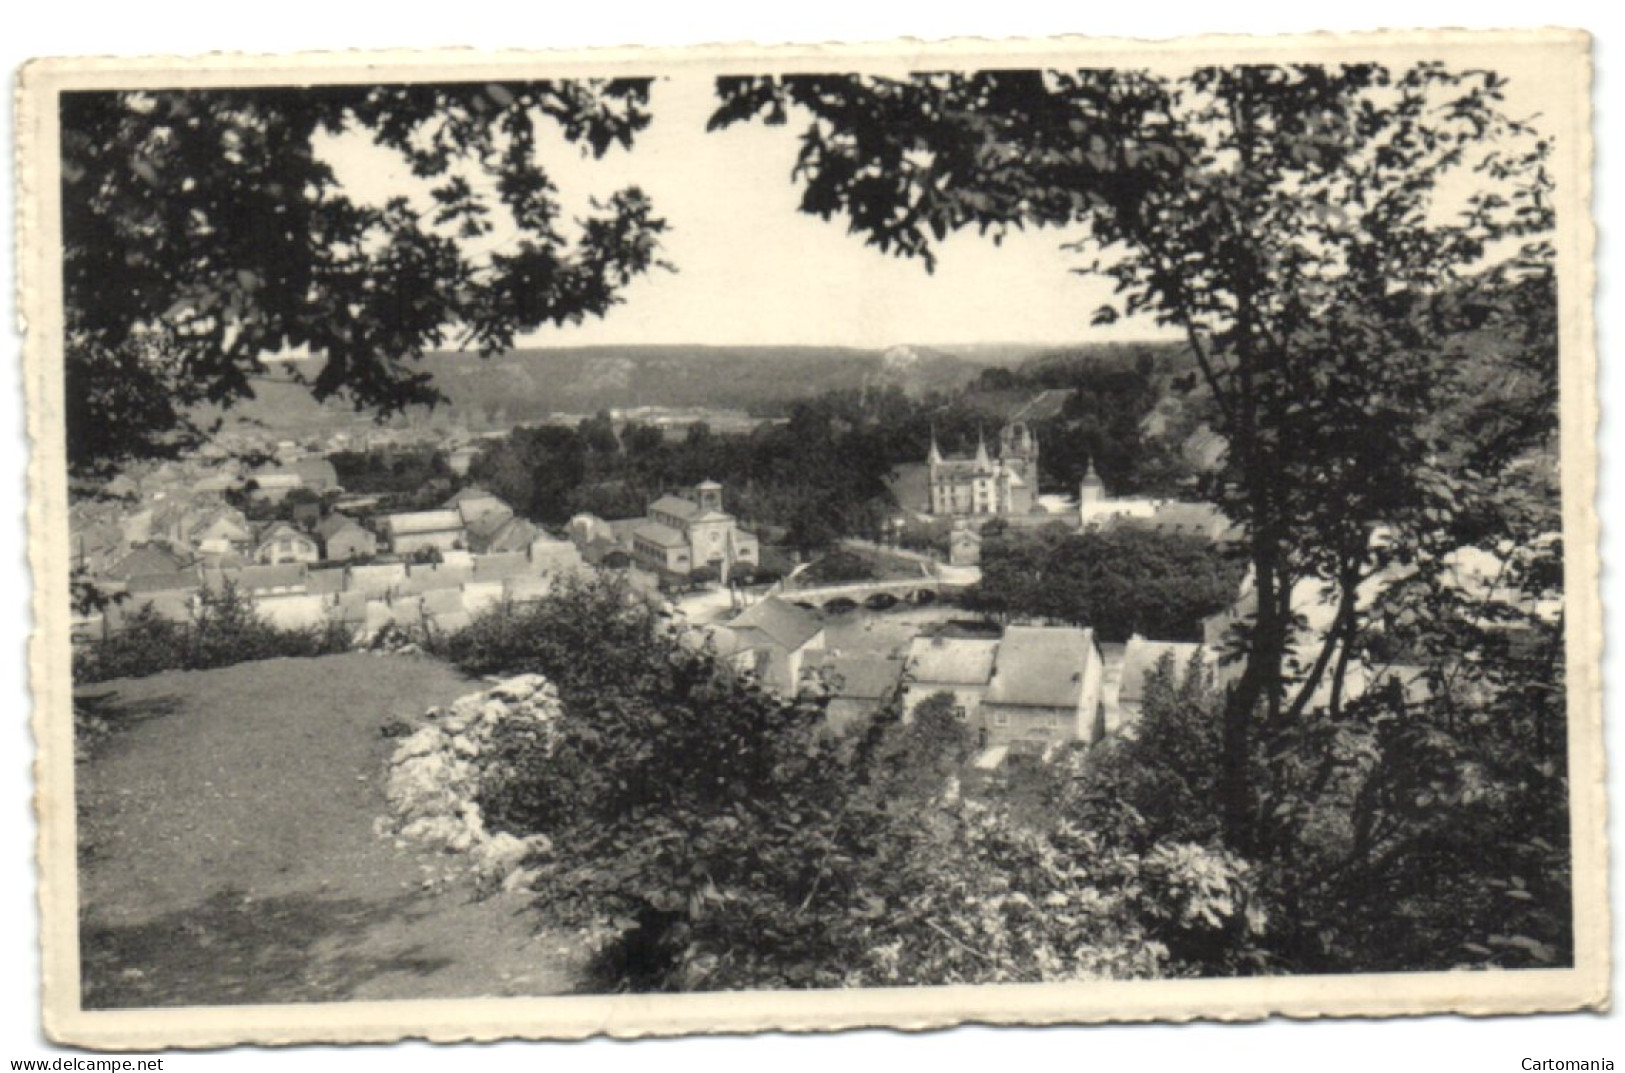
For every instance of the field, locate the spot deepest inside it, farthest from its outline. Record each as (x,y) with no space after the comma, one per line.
(228,851)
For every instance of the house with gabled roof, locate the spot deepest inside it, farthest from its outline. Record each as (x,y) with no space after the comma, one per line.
(476,505)
(145,560)
(1045,688)
(958,666)
(220,530)
(493,533)
(773,640)
(96,546)
(281,542)
(343,539)
(858,686)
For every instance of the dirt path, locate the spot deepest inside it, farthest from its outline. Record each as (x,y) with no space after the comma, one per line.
(228,852)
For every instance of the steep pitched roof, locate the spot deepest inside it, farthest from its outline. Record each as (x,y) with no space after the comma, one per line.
(786,625)
(147,559)
(329,582)
(227,516)
(336,523)
(176,581)
(281,530)
(377,578)
(1040,667)
(863,677)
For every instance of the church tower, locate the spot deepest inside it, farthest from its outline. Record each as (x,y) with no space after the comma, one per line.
(709,495)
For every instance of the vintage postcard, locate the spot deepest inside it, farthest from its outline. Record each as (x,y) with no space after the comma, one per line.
(648,542)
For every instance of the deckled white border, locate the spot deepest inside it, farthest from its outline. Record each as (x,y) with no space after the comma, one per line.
(1585,986)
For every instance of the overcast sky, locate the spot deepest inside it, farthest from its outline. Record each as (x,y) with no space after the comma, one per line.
(752,269)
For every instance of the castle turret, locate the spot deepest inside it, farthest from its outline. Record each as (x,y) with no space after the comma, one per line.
(1092,489)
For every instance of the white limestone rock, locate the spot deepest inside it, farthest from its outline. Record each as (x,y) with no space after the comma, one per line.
(435,775)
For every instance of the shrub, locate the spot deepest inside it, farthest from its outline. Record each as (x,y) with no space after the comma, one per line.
(716,836)
(224,629)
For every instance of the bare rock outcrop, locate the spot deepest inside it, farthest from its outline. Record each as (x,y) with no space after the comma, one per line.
(436,772)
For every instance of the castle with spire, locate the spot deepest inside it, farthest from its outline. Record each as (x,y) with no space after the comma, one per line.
(982,484)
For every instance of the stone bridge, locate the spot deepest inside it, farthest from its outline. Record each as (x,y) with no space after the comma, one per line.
(878,595)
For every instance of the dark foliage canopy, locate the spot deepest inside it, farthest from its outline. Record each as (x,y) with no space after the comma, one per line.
(205,230)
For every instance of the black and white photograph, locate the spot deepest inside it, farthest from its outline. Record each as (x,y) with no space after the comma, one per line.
(734,539)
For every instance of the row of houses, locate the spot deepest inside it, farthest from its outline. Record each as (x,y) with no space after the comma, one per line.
(1035,685)
(218,534)
(366,597)
(1032,684)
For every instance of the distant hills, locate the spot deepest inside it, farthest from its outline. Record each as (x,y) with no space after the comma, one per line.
(527,384)
(760,380)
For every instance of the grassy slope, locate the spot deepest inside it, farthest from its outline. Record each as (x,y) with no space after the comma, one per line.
(228,852)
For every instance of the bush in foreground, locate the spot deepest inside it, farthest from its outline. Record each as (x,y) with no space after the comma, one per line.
(225,629)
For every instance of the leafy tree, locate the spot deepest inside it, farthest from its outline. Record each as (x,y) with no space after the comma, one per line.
(1324,237)
(224,628)
(1120,582)
(916,758)
(598,433)
(231,240)
(642,440)
(535,470)
(1154,780)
